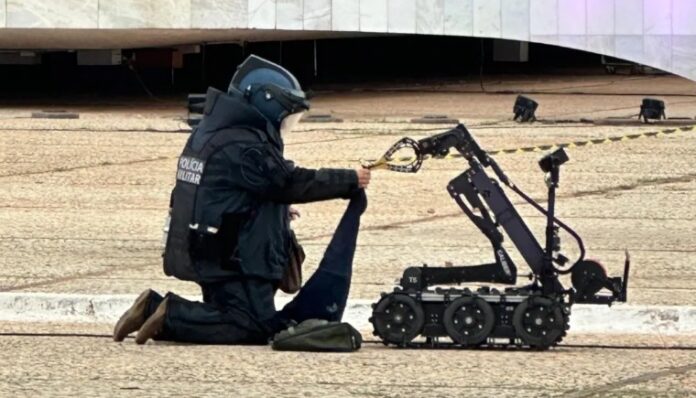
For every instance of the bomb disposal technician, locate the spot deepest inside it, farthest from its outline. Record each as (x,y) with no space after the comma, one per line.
(230,216)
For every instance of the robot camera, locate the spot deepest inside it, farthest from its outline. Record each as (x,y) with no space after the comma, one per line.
(553,160)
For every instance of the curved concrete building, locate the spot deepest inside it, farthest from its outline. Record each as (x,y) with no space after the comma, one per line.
(658,33)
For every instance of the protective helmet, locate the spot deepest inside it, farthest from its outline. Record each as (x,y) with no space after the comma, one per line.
(272,90)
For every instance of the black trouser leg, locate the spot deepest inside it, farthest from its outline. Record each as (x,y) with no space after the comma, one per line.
(154,301)
(232,314)
(325,294)
(243,311)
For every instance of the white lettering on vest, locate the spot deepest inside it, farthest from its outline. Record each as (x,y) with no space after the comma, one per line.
(190,170)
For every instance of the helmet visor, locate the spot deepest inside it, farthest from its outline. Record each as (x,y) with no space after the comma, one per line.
(288,124)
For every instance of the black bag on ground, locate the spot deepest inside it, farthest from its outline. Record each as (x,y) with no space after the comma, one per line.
(318,336)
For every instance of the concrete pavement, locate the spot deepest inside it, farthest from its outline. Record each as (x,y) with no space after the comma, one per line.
(35,363)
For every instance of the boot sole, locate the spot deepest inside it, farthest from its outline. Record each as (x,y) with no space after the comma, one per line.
(133,319)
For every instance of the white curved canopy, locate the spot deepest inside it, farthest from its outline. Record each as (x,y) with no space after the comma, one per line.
(658,33)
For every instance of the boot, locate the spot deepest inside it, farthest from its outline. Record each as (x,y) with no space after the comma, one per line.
(134,318)
(154,324)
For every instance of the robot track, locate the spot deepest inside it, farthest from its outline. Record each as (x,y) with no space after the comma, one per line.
(485,317)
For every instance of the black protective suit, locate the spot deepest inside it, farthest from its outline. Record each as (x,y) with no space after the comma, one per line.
(229,229)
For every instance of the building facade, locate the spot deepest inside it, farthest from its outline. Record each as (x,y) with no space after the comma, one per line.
(658,33)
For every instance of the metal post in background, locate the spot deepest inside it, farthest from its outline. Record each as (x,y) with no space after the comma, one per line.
(316,67)
(280,52)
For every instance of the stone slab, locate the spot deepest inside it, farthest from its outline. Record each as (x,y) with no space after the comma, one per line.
(684,15)
(402,16)
(82,14)
(515,16)
(544,17)
(219,14)
(572,19)
(459,17)
(289,14)
(629,17)
(373,16)
(430,17)
(600,17)
(487,19)
(133,14)
(262,14)
(345,15)
(317,15)
(657,19)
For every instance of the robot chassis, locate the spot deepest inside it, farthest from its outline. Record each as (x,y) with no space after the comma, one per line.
(535,316)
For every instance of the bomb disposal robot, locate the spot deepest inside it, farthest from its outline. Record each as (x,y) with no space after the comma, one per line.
(533,316)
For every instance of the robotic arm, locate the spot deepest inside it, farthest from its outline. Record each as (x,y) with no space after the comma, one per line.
(474,191)
(461,139)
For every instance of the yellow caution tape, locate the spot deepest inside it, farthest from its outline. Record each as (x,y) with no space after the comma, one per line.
(574,144)
(598,141)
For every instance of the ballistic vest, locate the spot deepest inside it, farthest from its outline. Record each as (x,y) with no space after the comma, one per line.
(193,232)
